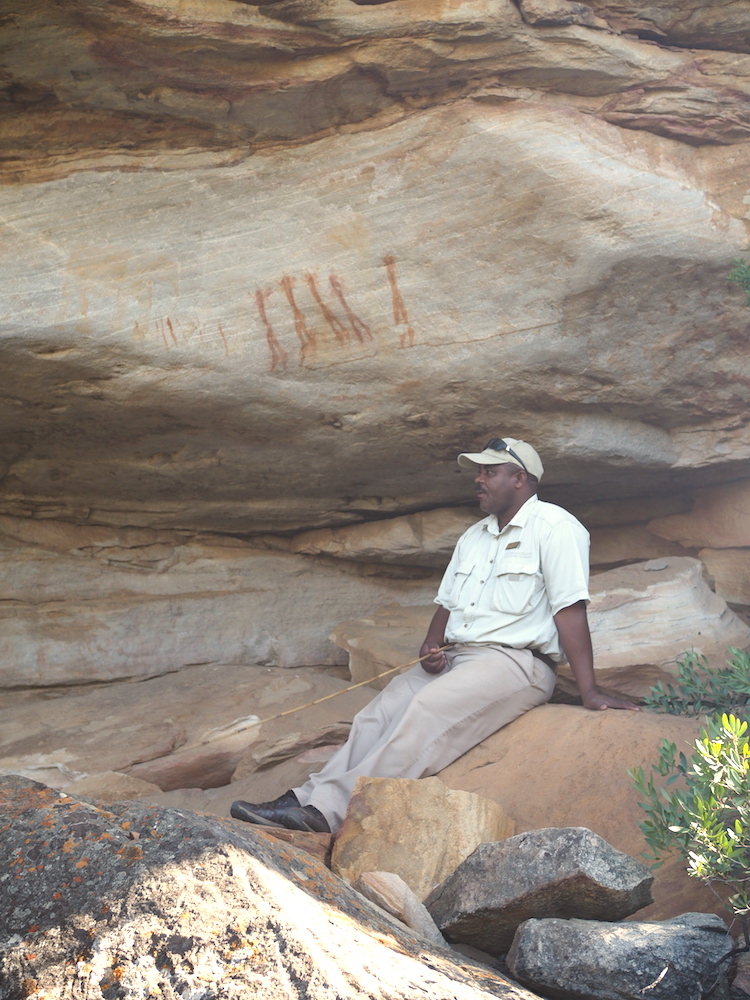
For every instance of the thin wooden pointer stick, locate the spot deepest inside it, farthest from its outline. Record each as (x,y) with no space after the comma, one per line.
(299,708)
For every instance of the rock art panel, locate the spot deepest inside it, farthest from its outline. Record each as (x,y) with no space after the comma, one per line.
(307,337)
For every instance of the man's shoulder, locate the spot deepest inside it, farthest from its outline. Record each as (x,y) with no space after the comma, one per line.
(551,515)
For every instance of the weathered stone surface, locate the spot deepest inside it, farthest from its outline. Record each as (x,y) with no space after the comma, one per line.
(139,900)
(417,829)
(269,753)
(425,539)
(390,637)
(683,22)
(679,959)
(569,872)
(729,570)
(84,604)
(111,786)
(546,13)
(181,730)
(561,765)
(629,543)
(652,612)
(720,519)
(393,895)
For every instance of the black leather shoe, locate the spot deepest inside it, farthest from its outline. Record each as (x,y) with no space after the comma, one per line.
(305,818)
(264,813)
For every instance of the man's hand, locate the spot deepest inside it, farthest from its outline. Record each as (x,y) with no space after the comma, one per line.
(432,660)
(597,702)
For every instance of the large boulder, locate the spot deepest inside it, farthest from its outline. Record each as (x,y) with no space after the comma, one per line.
(139,900)
(627,602)
(419,830)
(560,765)
(568,872)
(685,958)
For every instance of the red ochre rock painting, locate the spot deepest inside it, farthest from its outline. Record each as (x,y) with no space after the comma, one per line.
(347,330)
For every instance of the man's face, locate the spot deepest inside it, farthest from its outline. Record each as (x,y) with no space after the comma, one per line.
(499,487)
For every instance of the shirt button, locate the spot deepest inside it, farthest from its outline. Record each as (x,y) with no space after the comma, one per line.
(481,581)
(472,604)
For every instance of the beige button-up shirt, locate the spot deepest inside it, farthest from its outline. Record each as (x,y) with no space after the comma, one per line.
(504,586)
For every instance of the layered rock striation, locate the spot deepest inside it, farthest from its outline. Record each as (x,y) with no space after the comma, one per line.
(267,268)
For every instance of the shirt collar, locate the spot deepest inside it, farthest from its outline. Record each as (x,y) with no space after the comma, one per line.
(517,521)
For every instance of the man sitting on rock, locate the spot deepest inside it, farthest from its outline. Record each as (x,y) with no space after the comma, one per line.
(511,605)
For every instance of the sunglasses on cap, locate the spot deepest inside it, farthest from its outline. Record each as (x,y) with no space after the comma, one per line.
(497,444)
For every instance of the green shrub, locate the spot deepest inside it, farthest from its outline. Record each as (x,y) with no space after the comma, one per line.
(702,690)
(706,818)
(740,274)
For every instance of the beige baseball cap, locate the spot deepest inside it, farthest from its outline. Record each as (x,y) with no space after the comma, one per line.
(501,451)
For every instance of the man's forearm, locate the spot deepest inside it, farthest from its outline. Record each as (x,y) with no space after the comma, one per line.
(573,628)
(436,631)
(432,661)
(575,639)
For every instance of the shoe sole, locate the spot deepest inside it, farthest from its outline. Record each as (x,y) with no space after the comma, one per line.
(247,816)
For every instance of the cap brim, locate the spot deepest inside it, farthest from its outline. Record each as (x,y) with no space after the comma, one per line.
(472,460)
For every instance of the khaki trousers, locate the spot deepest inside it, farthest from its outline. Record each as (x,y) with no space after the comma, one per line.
(421,722)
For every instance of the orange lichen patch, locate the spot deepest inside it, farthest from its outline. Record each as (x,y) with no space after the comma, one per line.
(32,930)
(125,826)
(57,895)
(77,878)
(131,853)
(82,863)
(68,846)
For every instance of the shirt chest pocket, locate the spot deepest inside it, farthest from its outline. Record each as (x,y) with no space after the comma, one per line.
(459,590)
(517,585)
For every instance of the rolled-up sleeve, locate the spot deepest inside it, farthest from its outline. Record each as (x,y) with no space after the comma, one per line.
(564,557)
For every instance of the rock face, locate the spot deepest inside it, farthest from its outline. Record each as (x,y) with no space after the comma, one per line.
(391,825)
(680,959)
(83,604)
(264,268)
(137,900)
(543,873)
(563,766)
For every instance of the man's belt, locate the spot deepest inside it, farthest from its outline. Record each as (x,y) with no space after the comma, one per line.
(544,658)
